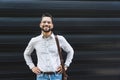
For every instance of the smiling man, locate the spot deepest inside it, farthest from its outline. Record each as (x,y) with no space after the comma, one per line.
(48,64)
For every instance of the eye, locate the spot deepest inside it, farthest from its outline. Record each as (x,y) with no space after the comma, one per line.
(48,22)
(44,21)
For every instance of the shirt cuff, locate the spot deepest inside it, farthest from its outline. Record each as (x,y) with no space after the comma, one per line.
(31,66)
(66,65)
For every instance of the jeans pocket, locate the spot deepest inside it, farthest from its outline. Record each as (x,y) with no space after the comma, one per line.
(40,75)
(58,75)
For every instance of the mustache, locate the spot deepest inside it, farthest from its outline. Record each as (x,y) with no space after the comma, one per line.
(46,26)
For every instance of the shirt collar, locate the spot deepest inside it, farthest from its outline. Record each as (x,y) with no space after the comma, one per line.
(51,36)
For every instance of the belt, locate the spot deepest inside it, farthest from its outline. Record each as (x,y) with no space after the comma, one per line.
(49,72)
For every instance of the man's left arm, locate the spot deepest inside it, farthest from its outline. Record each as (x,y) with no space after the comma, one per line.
(68,49)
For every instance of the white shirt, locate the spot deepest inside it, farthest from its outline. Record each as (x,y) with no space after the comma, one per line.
(47,52)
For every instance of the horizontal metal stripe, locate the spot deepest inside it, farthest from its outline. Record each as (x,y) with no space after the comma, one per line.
(95,5)
(22,22)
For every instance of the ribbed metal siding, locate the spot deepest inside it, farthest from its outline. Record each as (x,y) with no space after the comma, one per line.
(91,27)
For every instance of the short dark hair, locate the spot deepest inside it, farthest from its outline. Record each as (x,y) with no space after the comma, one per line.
(47,15)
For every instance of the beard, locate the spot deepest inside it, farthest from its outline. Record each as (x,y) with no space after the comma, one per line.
(46,29)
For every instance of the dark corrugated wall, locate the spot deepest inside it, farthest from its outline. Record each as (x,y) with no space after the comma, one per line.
(91,27)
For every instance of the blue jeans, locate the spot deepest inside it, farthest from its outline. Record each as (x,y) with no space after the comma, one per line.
(55,76)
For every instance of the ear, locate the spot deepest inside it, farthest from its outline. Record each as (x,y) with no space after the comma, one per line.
(40,25)
(52,25)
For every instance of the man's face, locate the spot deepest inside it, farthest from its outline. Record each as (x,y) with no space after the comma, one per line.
(46,24)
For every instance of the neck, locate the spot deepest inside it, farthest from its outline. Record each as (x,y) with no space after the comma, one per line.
(46,34)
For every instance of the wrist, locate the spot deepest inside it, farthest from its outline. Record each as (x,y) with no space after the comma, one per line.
(66,66)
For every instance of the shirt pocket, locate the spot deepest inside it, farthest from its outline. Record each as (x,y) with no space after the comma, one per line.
(53,49)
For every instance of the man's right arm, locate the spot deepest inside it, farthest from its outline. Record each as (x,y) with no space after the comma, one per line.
(27,54)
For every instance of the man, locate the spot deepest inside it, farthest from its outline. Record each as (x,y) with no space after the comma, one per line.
(48,64)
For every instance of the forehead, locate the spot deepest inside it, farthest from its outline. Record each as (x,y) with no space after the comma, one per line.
(46,19)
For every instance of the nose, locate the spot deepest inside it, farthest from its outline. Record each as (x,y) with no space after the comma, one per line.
(46,23)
